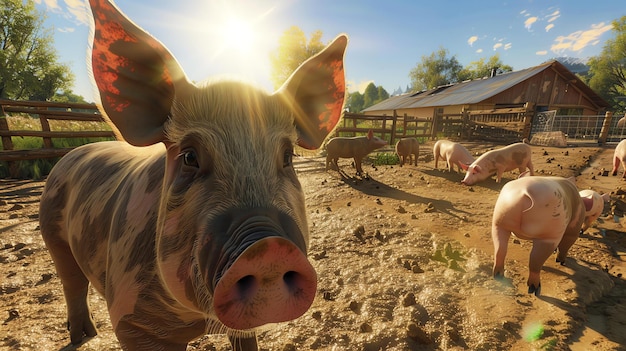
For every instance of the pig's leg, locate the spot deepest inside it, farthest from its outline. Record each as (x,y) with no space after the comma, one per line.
(402,158)
(624,166)
(530,168)
(243,344)
(357,164)
(569,238)
(500,239)
(436,156)
(132,337)
(75,289)
(499,174)
(616,162)
(542,249)
(327,161)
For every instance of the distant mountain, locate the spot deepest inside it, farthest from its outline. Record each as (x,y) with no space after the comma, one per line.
(576,65)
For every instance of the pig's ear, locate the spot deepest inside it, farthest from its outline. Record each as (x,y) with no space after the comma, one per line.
(137,77)
(588,202)
(476,169)
(370,134)
(606,197)
(524,174)
(316,91)
(465,166)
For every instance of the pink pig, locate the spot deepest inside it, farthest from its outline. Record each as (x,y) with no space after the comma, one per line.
(619,156)
(453,153)
(498,161)
(407,148)
(356,148)
(594,205)
(547,210)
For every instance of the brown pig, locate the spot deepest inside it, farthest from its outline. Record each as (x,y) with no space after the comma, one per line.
(594,205)
(408,148)
(356,148)
(196,223)
(498,161)
(619,156)
(453,153)
(547,210)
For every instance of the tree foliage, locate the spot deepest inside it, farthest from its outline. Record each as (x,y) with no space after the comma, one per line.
(372,95)
(28,61)
(292,51)
(483,68)
(607,71)
(434,70)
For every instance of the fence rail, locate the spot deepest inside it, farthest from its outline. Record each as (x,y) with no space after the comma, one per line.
(43,113)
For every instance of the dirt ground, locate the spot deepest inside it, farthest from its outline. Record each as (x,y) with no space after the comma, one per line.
(404,261)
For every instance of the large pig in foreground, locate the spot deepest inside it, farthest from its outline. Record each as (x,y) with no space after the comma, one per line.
(453,153)
(547,210)
(619,156)
(498,161)
(356,148)
(594,205)
(408,148)
(198,223)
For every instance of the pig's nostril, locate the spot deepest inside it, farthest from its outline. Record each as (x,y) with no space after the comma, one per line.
(293,281)
(246,286)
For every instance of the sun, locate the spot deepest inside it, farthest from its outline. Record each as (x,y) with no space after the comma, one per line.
(238,34)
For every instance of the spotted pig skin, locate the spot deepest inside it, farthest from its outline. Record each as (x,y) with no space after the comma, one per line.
(194,221)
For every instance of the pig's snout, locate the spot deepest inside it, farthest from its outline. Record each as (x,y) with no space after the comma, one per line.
(271,281)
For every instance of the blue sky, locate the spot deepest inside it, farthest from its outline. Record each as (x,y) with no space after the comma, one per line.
(387,38)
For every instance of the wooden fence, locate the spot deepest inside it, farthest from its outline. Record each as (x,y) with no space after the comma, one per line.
(505,125)
(44,112)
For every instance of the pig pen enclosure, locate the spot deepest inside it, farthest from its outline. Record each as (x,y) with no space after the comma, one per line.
(403,258)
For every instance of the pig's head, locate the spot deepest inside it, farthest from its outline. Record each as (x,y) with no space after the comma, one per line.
(232,233)
(375,141)
(474,174)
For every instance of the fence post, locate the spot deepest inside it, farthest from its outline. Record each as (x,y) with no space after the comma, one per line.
(394,123)
(7,143)
(606,125)
(528,118)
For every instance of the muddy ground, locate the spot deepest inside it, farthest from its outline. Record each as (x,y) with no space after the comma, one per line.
(404,262)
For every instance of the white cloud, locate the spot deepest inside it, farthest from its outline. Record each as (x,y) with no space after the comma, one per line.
(530,21)
(497,46)
(578,40)
(549,26)
(541,53)
(50,4)
(479,51)
(554,15)
(75,10)
(472,40)
(508,46)
(66,30)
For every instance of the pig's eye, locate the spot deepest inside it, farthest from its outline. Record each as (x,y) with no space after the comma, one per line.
(190,158)
(287,157)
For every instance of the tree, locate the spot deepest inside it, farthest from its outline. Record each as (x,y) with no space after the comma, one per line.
(481,68)
(372,95)
(435,70)
(292,51)
(607,71)
(28,61)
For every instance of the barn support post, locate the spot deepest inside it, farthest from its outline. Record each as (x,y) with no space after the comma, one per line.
(394,124)
(606,125)
(528,118)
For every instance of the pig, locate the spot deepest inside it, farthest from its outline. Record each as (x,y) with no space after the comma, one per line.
(594,205)
(408,148)
(498,161)
(619,156)
(195,222)
(356,148)
(453,153)
(547,210)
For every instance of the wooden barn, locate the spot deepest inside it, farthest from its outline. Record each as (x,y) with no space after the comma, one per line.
(547,87)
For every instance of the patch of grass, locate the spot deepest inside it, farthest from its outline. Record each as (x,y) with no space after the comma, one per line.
(386,158)
(39,168)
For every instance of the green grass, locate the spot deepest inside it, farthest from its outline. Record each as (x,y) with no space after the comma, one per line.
(37,169)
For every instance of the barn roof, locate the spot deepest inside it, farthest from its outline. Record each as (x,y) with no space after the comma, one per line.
(475,91)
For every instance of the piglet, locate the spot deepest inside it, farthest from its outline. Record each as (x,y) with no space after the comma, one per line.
(619,156)
(547,210)
(408,148)
(453,153)
(356,148)
(196,224)
(498,161)
(594,205)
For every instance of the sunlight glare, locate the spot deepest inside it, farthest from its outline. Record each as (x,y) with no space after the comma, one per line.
(238,34)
